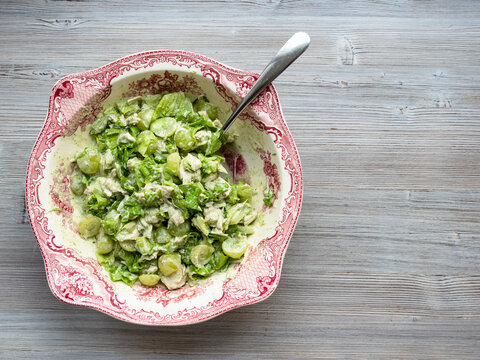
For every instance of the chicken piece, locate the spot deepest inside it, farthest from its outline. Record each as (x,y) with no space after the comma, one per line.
(213,214)
(193,161)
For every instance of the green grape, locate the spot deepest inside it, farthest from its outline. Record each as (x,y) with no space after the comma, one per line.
(185,139)
(235,247)
(169,263)
(77,184)
(200,255)
(149,279)
(162,236)
(128,245)
(104,244)
(164,127)
(88,161)
(89,226)
(173,163)
(180,230)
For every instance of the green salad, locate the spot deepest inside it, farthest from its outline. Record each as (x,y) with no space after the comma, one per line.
(156,197)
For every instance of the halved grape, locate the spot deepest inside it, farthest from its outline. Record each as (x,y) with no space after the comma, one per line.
(175,280)
(162,236)
(201,254)
(128,245)
(143,245)
(104,244)
(235,247)
(180,230)
(185,139)
(89,226)
(88,161)
(164,127)
(149,279)
(169,263)
(173,163)
(77,185)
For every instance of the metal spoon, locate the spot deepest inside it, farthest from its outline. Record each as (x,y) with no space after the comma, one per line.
(292,49)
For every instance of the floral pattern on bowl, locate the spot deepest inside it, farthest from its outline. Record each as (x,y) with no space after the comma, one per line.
(265,155)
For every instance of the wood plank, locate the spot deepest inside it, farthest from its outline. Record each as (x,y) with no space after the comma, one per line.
(384,108)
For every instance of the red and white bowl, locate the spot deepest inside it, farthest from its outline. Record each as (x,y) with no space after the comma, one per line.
(265,156)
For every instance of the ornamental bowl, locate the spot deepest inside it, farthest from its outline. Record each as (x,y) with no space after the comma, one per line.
(263,155)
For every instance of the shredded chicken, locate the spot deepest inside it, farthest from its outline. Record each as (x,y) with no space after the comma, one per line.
(202,137)
(188,177)
(193,161)
(110,186)
(174,214)
(131,163)
(213,214)
(133,119)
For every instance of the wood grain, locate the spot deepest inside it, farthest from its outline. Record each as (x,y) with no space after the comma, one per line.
(385,110)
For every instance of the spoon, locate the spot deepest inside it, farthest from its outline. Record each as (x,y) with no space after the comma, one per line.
(292,49)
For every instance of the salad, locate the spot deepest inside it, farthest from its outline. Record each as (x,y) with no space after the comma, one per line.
(157,200)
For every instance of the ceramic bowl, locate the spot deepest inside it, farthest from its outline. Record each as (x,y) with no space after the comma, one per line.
(264,155)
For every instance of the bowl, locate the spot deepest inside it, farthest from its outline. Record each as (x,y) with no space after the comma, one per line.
(264,155)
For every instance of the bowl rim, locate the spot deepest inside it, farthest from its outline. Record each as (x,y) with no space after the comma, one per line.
(49,119)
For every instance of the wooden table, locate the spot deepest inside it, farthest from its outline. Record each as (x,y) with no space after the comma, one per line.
(385,110)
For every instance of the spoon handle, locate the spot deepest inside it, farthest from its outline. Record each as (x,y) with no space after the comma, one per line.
(292,49)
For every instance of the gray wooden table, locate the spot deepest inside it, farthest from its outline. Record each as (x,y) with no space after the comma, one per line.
(385,110)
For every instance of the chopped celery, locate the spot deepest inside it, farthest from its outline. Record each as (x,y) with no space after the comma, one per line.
(269,197)
(202,104)
(145,116)
(173,104)
(146,143)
